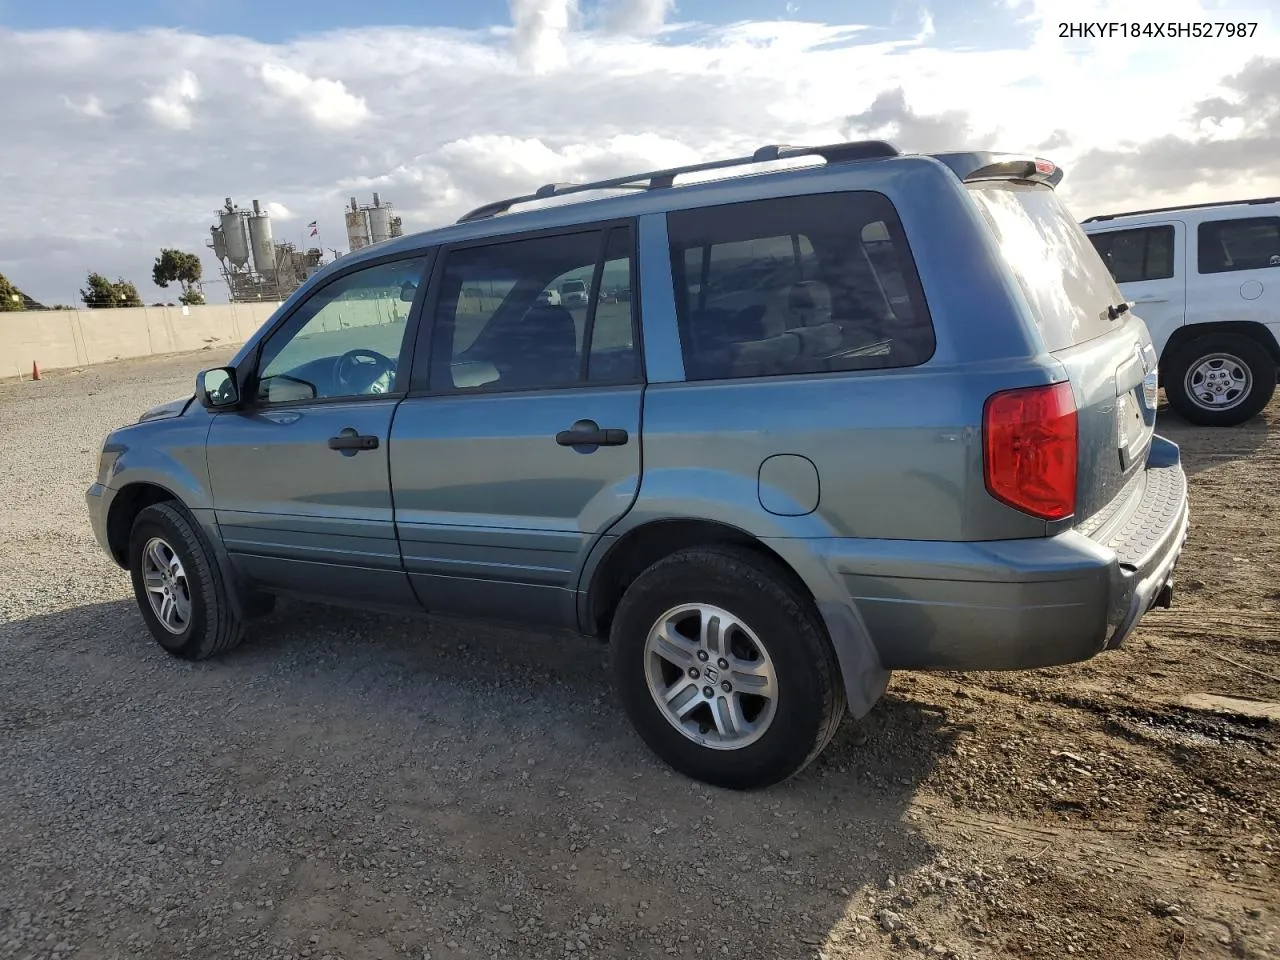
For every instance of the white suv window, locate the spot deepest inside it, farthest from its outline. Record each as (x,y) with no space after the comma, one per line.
(1250,243)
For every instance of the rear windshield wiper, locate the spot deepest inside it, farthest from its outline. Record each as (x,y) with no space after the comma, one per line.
(1115,310)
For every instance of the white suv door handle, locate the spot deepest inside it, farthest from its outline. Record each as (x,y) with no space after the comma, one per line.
(1152,300)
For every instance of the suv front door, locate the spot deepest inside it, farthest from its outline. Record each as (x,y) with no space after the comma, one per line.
(519,443)
(300,478)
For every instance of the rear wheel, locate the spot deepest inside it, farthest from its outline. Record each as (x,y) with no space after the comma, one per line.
(1220,379)
(725,669)
(178,586)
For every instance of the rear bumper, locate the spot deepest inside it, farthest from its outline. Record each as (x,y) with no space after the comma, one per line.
(1019,604)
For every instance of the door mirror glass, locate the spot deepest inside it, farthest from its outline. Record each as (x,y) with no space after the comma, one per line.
(216,389)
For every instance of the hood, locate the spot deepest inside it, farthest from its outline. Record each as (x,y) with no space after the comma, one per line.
(168,410)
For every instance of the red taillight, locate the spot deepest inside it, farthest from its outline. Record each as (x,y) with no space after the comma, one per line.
(1029,439)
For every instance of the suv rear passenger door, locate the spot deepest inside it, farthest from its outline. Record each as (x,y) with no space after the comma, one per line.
(1149,264)
(519,443)
(1238,262)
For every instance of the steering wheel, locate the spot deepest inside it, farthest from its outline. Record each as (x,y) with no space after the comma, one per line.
(362,370)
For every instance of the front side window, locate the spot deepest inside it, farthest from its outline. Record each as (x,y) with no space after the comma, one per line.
(805,284)
(1251,243)
(346,340)
(542,317)
(1136,255)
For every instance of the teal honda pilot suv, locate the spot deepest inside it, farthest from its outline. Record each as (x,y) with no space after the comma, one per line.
(880,412)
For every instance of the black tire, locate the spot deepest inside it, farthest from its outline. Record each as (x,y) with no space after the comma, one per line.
(810,700)
(1251,354)
(211,627)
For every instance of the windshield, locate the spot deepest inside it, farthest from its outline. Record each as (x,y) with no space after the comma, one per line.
(573,286)
(1064,280)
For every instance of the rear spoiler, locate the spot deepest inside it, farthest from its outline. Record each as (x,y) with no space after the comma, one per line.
(985,165)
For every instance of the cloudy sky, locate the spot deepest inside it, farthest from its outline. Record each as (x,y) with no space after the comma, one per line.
(123,125)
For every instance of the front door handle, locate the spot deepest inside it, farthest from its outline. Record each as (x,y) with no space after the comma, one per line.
(350,442)
(1151,300)
(587,433)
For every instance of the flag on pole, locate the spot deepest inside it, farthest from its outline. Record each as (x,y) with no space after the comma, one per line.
(313,228)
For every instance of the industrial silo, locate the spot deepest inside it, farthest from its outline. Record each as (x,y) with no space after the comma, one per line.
(357,227)
(379,221)
(264,251)
(219,243)
(235,239)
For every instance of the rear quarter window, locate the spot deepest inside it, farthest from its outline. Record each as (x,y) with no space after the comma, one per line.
(1066,285)
(793,285)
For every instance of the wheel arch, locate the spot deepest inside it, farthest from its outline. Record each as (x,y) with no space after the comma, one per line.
(1260,333)
(865,678)
(643,546)
(128,502)
(135,497)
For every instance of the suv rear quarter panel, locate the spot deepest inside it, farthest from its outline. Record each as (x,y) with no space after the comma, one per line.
(898,452)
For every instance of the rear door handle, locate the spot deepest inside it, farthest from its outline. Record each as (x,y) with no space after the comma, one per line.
(587,433)
(1152,300)
(348,441)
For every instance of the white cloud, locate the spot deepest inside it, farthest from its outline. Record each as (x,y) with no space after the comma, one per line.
(539,31)
(172,105)
(90,107)
(637,16)
(439,121)
(327,102)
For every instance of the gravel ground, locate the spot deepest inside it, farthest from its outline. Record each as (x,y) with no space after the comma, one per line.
(354,786)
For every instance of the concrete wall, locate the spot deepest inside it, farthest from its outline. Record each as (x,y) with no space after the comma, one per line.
(56,339)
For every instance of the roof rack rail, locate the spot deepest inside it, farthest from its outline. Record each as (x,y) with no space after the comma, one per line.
(1185,206)
(659,179)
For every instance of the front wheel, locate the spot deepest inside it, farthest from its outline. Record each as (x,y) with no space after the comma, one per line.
(178,586)
(725,669)
(1220,380)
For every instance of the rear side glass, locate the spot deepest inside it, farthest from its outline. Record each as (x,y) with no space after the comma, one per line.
(529,314)
(1136,255)
(1251,243)
(1063,279)
(808,284)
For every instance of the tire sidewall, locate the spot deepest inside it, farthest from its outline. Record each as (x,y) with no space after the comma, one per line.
(151,524)
(798,721)
(1262,370)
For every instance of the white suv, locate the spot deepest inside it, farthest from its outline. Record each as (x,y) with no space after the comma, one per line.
(1206,279)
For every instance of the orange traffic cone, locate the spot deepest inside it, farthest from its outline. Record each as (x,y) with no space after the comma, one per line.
(35,370)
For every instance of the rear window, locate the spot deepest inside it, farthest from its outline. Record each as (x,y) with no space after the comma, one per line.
(1064,280)
(807,284)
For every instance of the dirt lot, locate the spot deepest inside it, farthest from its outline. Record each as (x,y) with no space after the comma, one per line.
(353,786)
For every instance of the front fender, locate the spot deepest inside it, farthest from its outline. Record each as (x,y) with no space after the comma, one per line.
(167,453)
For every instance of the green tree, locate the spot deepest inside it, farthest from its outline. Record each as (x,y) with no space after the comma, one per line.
(100,293)
(183,268)
(10,296)
(126,293)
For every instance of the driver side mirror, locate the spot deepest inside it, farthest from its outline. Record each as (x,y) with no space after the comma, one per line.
(216,389)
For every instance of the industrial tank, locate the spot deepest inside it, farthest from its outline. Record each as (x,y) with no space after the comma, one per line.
(234,237)
(264,251)
(219,243)
(379,222)
(357,227)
